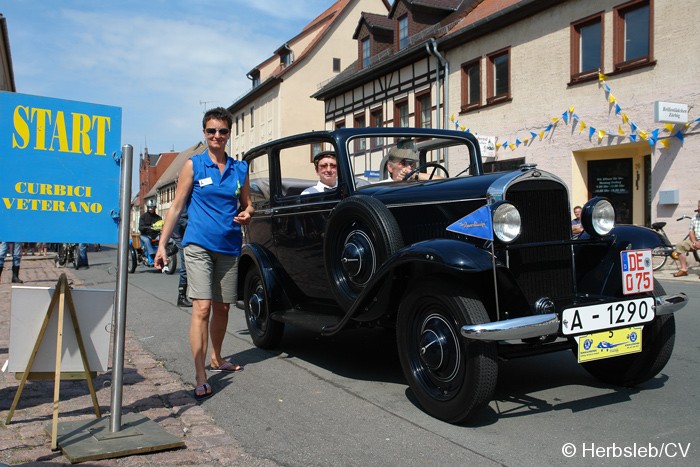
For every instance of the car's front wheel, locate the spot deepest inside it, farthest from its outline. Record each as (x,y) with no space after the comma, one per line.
(658,339)
(265,332)
(449,375)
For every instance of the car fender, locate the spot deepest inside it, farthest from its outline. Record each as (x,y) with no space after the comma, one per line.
(256,256)
(443,256)
(606,277)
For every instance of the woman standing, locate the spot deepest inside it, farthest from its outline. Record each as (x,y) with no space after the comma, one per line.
(215,190)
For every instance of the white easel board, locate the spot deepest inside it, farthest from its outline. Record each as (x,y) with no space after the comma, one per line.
(93,307)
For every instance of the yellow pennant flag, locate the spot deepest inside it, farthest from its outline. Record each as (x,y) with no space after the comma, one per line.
(620,131)
(583,126)
(571,110)
(452,117)
(612,99)
(642,134)
(526,140)
(541,135)
(669,127)
(601,135)
(664,143)
(498,145)
(624,118)
(555,119)
(512,146)
(601,77)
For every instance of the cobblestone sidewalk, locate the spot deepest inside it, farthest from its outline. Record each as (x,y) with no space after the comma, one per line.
(148,389)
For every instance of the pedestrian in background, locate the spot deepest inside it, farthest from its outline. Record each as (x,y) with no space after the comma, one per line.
(16,259)
(215,190)
(178,234)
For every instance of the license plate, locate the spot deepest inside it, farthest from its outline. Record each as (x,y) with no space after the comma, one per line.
(590,318)
(609,344)
(637,271)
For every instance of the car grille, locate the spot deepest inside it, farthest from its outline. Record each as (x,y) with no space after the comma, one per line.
(544,209)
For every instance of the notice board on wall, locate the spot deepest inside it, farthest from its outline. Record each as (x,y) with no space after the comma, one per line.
(93,308)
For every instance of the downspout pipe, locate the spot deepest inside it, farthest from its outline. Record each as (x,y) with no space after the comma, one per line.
(446,84)
(429,49)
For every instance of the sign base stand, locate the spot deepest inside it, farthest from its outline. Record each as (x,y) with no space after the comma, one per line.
(92,441)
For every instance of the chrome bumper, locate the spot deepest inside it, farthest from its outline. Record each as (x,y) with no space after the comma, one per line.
(545,325)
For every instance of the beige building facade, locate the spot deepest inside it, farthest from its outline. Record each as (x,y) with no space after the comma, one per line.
(525,76)
(279,103)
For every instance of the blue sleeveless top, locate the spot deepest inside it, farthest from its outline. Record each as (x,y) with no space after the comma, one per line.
(214,203)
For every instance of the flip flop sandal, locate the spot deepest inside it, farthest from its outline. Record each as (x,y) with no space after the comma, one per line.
(208,392)
(227,367)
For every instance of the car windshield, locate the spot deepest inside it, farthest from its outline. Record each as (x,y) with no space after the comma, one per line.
(388,159)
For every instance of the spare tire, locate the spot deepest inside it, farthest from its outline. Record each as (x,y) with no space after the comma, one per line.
(360,235)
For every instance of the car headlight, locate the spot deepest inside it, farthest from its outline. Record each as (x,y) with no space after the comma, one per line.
(506,221)
(598,217)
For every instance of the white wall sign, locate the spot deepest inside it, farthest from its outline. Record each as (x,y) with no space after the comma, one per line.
(670,112)
(488,146)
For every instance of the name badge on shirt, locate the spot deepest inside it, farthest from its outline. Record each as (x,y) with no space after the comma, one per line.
(205,181)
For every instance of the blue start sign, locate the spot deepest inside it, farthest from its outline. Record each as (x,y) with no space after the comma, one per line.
(59,180)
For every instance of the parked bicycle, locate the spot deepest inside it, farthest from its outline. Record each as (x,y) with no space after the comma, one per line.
(661,254)
(68,253)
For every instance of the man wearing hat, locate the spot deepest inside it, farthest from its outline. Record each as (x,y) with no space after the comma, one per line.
(327,171)
(400,162)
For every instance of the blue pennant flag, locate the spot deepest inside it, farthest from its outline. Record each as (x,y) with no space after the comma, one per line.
(565,116)
(633,138)
(533,134)
(633,126)
(617,109)
(477,224)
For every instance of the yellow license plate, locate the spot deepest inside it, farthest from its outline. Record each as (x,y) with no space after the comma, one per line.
(607,344)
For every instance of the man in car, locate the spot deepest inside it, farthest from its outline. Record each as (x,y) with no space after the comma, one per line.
(402,161)
(327,171)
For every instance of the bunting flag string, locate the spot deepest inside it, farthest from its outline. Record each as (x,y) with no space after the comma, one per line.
(569,116)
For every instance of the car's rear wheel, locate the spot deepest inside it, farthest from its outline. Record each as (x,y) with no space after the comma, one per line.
(360,236)
(265,332)
(449,375)
(658,338)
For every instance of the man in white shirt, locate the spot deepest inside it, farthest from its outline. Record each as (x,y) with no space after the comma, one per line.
(327,171)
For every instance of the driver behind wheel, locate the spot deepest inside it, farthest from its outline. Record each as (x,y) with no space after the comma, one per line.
(401,162)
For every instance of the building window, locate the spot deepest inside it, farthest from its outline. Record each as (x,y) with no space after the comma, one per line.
(360,122)
(285,59)
(256,79)
(632,34)
(252,117)
(587,47)
(236,126)
(499,76)
(315,149)
(376,119)
(403,32)
(401,114)
(243,123)
(365,53)
(423,110)
(471,85)
(339,124)
(336,65)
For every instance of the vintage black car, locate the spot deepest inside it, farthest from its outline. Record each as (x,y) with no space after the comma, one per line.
(468,267)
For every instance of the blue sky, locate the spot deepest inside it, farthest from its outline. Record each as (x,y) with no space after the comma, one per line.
(162,61)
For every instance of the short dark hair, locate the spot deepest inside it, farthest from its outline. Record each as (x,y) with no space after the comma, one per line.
(321,155)
(217,113)
(577,207)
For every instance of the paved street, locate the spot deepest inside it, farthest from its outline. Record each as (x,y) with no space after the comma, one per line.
(342,400)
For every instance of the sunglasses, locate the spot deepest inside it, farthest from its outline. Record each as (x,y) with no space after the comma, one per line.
(326,166)
(213,131)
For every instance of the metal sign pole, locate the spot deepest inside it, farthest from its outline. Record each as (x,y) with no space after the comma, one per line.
(122,282)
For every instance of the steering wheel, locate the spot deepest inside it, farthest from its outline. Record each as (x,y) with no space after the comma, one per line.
(434,165)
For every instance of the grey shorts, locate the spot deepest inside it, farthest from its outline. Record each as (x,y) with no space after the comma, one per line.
(210,275)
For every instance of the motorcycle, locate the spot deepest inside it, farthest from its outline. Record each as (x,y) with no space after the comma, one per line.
(138,255)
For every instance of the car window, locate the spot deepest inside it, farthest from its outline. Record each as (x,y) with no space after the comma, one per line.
(259,175)
(369,156)
(297,171)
